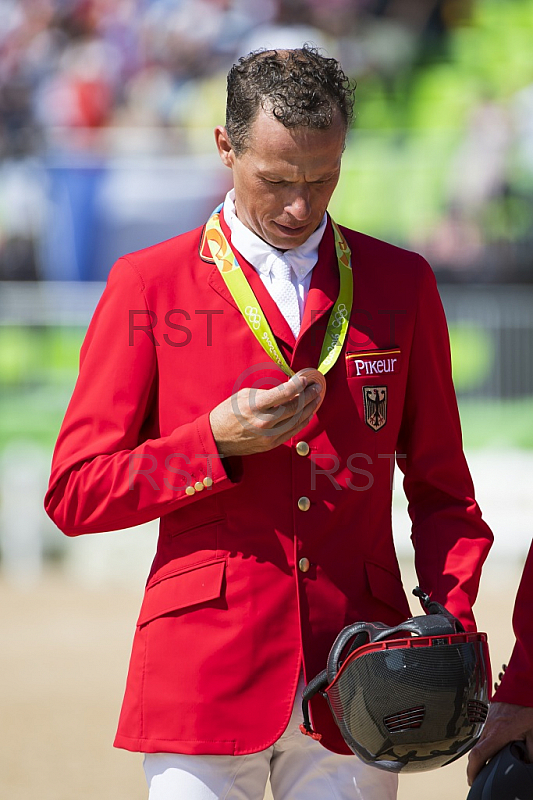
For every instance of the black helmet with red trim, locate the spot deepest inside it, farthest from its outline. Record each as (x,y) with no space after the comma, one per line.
(408,698)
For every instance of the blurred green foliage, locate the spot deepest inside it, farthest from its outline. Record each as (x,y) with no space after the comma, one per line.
(488,56)
(34,355)
(472,355)
(397,165)
(391,185)
(38,368)
(497,423)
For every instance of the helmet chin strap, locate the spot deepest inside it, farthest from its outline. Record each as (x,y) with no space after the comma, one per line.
(432,607)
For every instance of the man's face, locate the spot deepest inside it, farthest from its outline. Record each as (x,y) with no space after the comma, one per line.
(285,178)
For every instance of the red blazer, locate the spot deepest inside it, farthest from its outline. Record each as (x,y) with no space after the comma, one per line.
(517,683)
(229,615)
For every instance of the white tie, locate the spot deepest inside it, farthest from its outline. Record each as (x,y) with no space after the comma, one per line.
(284,293)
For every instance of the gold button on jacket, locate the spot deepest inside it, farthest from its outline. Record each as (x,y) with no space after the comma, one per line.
(302,448)
(304,504)
(303,564)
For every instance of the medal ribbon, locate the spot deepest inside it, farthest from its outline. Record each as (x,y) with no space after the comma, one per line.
(248,305)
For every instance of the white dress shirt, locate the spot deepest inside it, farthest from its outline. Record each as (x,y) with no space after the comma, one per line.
(263,257)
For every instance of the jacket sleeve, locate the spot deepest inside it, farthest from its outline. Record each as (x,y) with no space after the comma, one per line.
(450,538)
(106,474)
(517,683)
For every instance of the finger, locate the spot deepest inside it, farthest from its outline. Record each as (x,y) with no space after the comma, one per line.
(485,749)
(278,395)
(295,407)
(302,411)
(277,425)
(282,412)
(250,405)
(476,760)
(304,422)
(286,431)
(474,765)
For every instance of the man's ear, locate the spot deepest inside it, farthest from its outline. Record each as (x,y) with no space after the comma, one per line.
(225,150)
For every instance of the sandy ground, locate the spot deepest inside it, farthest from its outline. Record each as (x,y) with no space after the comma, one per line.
(63,664)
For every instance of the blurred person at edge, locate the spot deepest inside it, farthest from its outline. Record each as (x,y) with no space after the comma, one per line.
(511,710)
(198,402)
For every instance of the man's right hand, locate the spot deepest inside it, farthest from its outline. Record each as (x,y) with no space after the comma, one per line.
(505,723)
(257,420)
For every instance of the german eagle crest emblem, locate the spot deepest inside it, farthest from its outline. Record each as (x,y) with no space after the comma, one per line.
(375,398)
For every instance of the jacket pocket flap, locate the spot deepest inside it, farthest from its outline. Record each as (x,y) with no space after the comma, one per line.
(181,590)
(387,587)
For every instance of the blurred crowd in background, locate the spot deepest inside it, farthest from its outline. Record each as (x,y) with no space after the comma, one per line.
(91,64)
(107,109)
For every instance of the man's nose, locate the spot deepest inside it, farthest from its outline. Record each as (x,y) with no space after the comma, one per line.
(299,205)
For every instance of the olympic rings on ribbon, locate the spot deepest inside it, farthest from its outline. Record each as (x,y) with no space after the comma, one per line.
(341,314)
(253,316)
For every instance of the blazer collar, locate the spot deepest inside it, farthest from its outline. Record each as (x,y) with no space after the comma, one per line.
(275,318)
(323,292)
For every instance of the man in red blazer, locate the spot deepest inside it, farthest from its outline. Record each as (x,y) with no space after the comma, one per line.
(511,711)
(195,404)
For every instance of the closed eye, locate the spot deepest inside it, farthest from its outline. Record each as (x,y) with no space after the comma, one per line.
(280,181)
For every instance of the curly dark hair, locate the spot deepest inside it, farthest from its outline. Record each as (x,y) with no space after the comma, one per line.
(298,87)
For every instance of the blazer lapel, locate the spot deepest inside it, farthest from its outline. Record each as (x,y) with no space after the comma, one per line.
(275,318)
(323,291)
(214,279)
